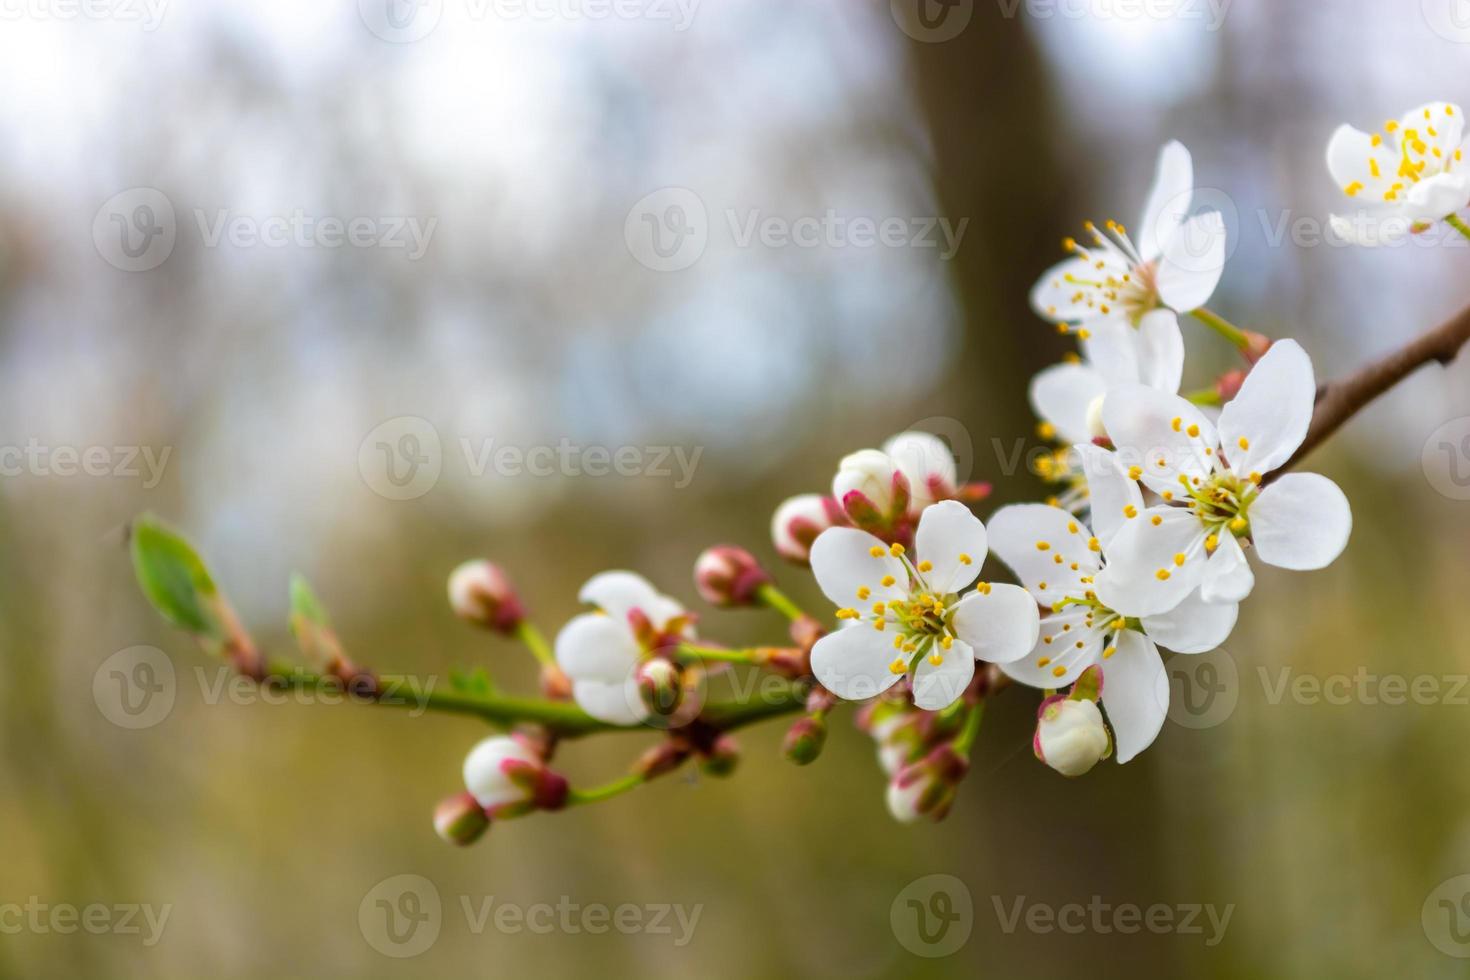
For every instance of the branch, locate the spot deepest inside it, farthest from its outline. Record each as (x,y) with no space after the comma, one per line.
(1338,401)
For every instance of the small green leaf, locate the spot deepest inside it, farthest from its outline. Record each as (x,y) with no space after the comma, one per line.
(174,578)
(305,604)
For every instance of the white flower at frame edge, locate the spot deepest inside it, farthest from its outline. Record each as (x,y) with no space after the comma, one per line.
(1106,290)
(1404,180)
(600,652)
(1212,482)
(906,612)
(1058,558)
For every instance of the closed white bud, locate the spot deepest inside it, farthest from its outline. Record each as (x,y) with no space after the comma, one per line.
(870,472)
(797,523)
(1071,736)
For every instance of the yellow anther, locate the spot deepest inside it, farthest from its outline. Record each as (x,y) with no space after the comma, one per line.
(1377,140)
(1044,662)
(1043,546)
(879,609)
(1109,652)
(1391,126)
(1130,511)
(1168,495)
(926,566)
(1177,424)
(896,550)
(1093,544)
(946,641)
(1353,189)
(1072,527)
(1256,478)
(1058,671)
(1048,641)
(1064,328)
(876,551)
(847,614)
(1179,559)
(1212,542)
(1066,627)
(966,559)
(1156,520)
(1193,431)
(1043,586)
(878,625)
(1057,559)
(1162,575)
(936,658)
(1079,644)
(1244,443)
(1134,472)
(887,581)
(1239,524)
(1085,334)
(863,593)
(1046,431)
(898,666)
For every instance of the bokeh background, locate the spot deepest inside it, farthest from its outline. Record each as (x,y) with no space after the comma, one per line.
(529,137)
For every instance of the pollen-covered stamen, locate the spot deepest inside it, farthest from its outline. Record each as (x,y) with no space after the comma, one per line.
(1121,281)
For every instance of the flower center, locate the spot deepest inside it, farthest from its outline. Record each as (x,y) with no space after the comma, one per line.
(1221,502)
(1122,283)
(921,622)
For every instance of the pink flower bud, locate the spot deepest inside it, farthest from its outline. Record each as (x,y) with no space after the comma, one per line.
(927,788)
(871,474)
(729,576)
(663,758)
(481,593)
(804,740)
(460,819)
(721,758)
(661,685)
(799,520)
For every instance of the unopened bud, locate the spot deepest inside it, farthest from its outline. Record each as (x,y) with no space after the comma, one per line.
(804,740)
(1256,345)
(460,819)
(722,757)
(799,521)
(1071,736)
(927,788)
(661,686)
(870,487)
(481,593)
(555,684)
(729,576)
(663,758)
(502,772)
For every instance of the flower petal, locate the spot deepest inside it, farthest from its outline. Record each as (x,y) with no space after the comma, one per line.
(1055,295)
(1160,351)
(1144,575)
(1057,660)
(1135,693)
(1436,197)
(843,563)
(924,459)
(1152,430)
(1193,262)
(1228,576)
(484,775)
(953,541)
(1302,522)
(618,593)
(853,663)
(1373,228)
(1111,347)
(1001,625)
(597,647)
(1193,626)
(1016,533)
(1362,170)
(1168,200)
(1109,491)
(1063,395)
(1266,422)
(939,687)
(616,704)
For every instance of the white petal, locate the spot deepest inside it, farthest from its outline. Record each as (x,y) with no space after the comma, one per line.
(1373,228)
(1270,415)
(1193,626)
(1017,530)
(597,647)
(1143,576)
(616,704)
(868,471)
(1302,522)
(946,531)
(1109,490)
(1152,431)
(927,463)
(1228,576)
(1193,263)
(1061,661)
(1160,351)
(1350,158)
(939,687)
(1136,693)
(853,663)
(1168,200)
(1446,118)
(1002,626)
(618,593)
(1063,395)
(843,562)
(1052,296)
(484,776)
(1112,348)
(1438,196)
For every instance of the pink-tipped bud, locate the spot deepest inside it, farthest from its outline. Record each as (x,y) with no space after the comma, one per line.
(1256,345)
(1070,735)
(721,758)
(460,819)
(729,576)
(1228,386)
(663,758)
(872,476)
(804,740)
(799,521)
(555,684)
(927,788)
(661,686)
(481,593)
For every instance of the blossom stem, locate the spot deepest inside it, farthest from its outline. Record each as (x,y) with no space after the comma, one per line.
(583,797)
(1458,223)
(535,642)
(716,653)
(966,738)
(1222,326)
(775,599)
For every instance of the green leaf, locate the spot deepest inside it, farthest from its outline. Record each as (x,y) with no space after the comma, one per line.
(174,578)
(305,604)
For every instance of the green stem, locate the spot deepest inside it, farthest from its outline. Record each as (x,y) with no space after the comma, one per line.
(1458,223)
(966,738)
(716,653)
(1222,326)
(583,797)
(535,642)
(1204,396)
(775,599)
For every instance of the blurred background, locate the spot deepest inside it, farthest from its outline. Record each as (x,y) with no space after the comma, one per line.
(556,215)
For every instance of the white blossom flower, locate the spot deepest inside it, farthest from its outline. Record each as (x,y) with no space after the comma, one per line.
(927,464)
(1403,180)
(601,652)
(906,613)
(1215,499)
(488,771)
(1060,560)
(1107,289)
